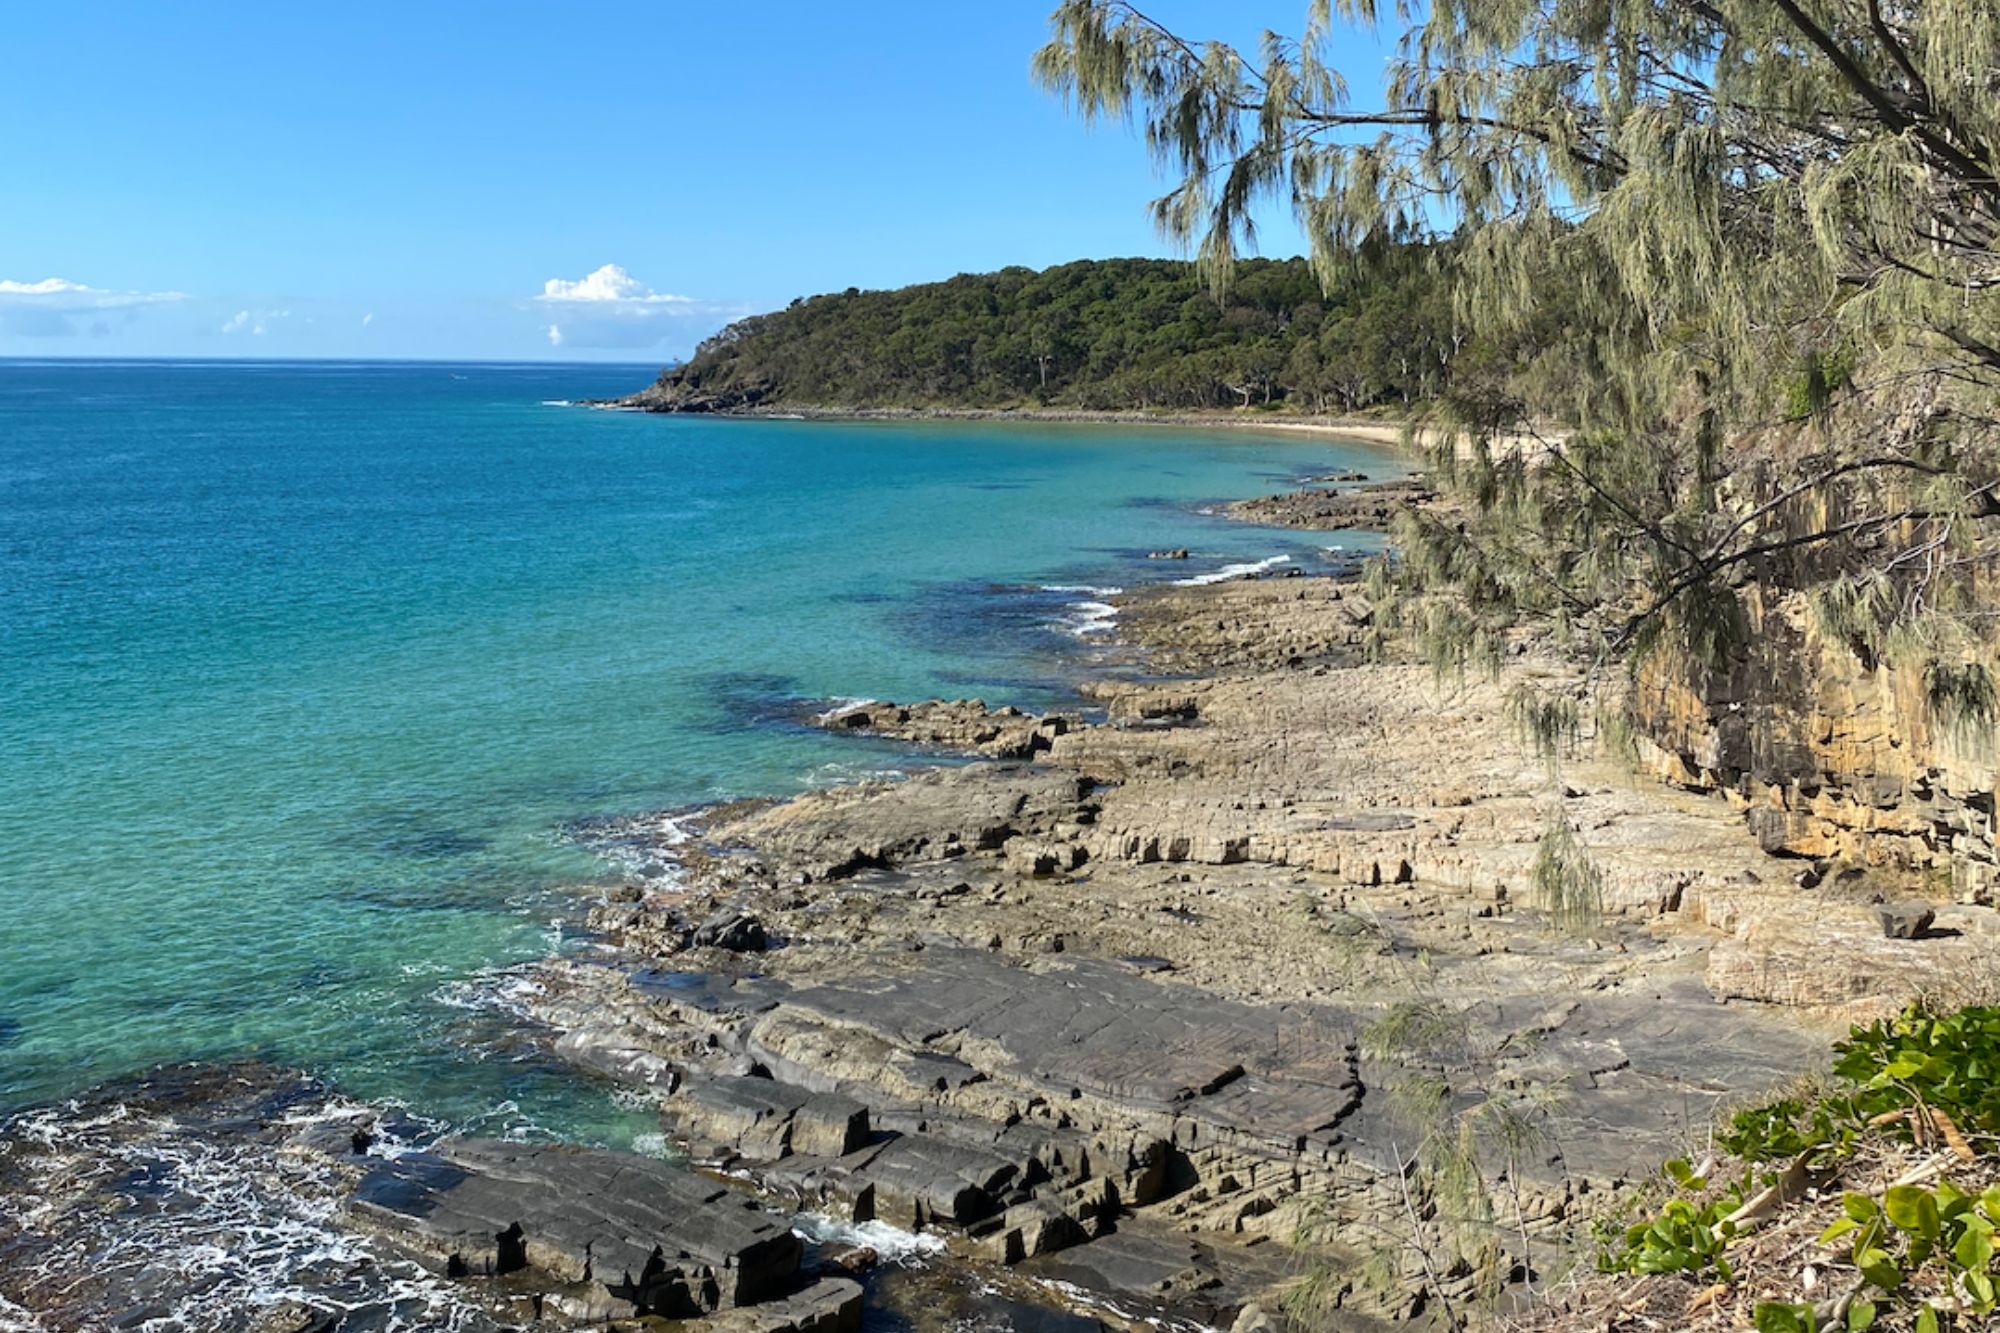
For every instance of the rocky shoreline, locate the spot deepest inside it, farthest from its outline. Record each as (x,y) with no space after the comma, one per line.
(1130,1007)
(1105,1005)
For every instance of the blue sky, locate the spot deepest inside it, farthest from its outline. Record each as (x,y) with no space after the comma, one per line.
(408,180)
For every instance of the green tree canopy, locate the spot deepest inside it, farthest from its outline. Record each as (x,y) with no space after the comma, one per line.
(1096,334)
(1744,252)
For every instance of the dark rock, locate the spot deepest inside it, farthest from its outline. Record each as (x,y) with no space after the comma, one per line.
(1905,921)
(830,1305)
(766,1119)
(917,1179)
(654,1235)
(733,929)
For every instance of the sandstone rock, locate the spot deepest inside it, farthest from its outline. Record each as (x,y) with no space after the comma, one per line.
(855,1259)
(1905,921)
(1032,1229)
(954,724)
(767,1119)
(1237,863)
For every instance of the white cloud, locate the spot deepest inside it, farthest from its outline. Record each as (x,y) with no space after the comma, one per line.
(52,307)
(256,323)
(368,319)
(611,308)
(609,285)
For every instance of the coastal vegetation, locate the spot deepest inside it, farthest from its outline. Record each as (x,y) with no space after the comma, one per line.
(1754,244)
(1115,334)
(1887,1176)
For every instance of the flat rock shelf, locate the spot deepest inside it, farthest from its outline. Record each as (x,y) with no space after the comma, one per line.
(625,1235)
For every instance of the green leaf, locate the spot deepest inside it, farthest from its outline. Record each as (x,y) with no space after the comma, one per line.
(1838,1229)
(1926,1319)
(1860,1316)
(1974,1250)
(1857,1206)
(1876,1266)
(1912,1208)
(1778,1317)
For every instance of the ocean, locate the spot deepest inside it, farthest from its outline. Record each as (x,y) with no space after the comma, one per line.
(322,685)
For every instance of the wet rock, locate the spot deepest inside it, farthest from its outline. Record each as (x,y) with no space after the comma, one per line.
(966,725)
(614,1055)
(653,1235)
(853,1260)
(290,1316)
(829,1305)
(733,929)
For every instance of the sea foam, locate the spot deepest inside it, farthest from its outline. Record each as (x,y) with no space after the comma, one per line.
(1228,572)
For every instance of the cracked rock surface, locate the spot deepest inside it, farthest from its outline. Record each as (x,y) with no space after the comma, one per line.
(1122,1001)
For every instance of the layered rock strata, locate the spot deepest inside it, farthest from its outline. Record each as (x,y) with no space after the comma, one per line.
(1141,989)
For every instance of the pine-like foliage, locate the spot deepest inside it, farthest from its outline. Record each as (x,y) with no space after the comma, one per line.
(1741,256)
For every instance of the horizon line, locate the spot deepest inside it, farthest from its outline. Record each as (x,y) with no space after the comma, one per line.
(11,358)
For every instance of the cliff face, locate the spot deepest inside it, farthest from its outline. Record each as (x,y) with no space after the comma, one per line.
(1829,756)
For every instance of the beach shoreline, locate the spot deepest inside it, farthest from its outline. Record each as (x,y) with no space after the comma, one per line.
(1412,436)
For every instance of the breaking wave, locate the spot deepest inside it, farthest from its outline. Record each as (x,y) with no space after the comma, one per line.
(193,1220)
(1228,572)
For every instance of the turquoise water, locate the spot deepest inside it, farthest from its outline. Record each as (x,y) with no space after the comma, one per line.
(308,671)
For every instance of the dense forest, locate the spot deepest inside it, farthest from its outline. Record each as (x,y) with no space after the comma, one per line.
(1100,334)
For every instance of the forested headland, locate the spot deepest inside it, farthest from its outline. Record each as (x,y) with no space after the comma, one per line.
(1111,335)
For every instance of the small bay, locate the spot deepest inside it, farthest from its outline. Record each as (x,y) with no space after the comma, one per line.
(309,671)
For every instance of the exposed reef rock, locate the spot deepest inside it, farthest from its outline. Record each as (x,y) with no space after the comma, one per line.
(192,1196)
(1108,1005)
(1372,506)
(964,725)
(619,1236)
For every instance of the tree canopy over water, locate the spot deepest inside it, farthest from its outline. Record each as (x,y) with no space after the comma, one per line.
(1768,228)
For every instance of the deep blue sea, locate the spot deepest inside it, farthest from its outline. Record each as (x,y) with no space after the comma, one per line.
(315,678)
